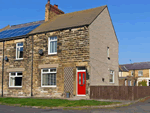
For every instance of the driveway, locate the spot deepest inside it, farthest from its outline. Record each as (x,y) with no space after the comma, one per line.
(140,107)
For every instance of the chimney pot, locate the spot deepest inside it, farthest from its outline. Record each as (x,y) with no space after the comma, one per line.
(56,6)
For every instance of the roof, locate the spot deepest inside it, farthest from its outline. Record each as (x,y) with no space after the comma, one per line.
(123,69)
(68,20)
(19,30)
(137,66)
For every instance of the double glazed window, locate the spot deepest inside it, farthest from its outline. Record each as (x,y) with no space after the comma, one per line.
(52,45)
(140,73)
(111,78)
(48,77)
(15,79)
(19,50)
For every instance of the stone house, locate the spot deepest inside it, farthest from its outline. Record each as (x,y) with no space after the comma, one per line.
(137,72)
(65,53)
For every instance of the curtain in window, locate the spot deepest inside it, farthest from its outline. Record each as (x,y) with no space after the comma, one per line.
(53,46)
(11,81)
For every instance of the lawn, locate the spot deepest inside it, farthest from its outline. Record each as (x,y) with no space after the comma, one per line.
(52,102)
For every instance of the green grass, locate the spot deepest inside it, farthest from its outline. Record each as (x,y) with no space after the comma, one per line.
(52,102)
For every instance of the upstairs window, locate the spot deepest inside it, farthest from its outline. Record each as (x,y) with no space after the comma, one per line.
(15,79)
(52,45)
(19,50)
(140,73)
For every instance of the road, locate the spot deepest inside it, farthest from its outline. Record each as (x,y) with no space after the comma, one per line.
(140,107)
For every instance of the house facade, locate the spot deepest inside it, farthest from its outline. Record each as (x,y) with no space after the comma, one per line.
(138,72)
(66,53)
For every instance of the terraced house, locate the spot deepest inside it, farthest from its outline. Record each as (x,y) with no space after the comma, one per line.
(132,74)
(65,53)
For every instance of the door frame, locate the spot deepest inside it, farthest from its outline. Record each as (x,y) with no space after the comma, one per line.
(77,81)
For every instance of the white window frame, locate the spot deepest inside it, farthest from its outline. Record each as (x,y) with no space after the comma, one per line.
(108,52)
(138,73)
(113,76)
(125,82)
(17,51)
(16,75)
(49,45)
(47,73)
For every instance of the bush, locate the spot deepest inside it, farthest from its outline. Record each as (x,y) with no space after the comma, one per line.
(142,83)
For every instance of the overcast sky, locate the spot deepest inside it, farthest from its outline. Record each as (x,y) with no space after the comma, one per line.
(131,19)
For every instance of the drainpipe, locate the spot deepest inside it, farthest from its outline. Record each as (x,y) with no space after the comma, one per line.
(2,68)
(32,70)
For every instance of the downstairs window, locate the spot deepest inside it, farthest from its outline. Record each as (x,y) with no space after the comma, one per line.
(15,79)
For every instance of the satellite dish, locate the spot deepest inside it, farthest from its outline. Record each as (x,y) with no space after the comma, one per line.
(41,51)
(6,58)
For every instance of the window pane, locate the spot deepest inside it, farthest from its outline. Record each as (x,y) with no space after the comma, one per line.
(55,46)
(111,78)
(79,78)
(18,81)
(21,52)
(52,70)
(19,73)
(45,70)
(20,44)
(11,81)
(50,47)
(83,78)
(54,79)
(13,74)
(52,38)
(18,52)
(45,79)
(51,80)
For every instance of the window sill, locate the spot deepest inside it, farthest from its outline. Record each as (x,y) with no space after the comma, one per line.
(18,59)
(111,82)
(48,86)
(13,87)
(52,53)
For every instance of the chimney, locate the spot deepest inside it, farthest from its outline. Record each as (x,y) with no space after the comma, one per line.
(51,11)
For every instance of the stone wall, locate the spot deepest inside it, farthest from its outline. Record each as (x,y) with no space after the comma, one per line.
(72,51)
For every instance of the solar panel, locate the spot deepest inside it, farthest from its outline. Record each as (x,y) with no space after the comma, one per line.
(17,32)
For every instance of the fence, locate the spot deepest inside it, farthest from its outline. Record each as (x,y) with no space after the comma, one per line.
(119,92)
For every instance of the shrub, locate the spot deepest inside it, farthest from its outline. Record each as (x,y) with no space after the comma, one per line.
(142,83)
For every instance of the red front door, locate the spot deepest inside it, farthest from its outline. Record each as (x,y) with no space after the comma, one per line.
(81,83)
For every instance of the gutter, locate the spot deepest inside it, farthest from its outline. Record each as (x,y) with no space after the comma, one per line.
(2,68)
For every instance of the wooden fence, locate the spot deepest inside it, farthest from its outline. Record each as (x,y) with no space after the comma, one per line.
(119,92)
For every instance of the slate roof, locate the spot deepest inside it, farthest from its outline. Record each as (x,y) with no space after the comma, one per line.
(69,20)
(19,30)
(137,66)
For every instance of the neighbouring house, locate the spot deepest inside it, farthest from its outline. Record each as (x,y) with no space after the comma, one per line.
(66,53)
(137,71)
(124,78)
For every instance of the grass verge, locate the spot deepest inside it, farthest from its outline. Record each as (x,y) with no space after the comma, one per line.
(52,102)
